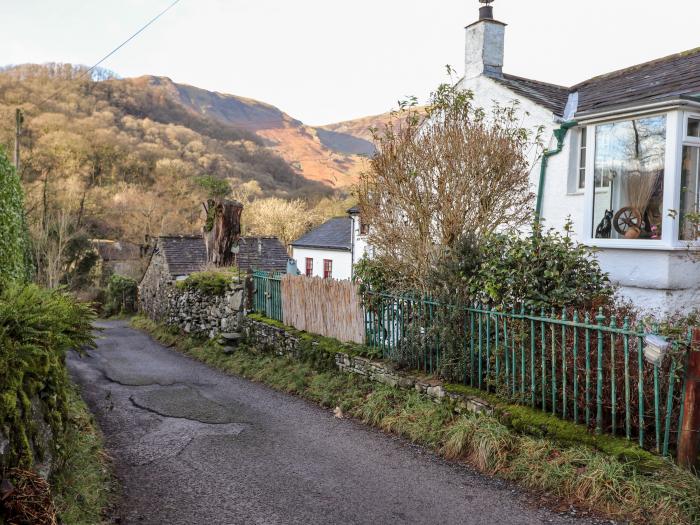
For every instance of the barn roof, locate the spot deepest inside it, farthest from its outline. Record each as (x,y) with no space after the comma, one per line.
(188,254)
(110,250)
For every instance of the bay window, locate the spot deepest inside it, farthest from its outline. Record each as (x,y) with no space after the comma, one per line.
(628,179)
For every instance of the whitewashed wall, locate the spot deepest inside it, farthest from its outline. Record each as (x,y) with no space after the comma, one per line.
(558,204)
(656,280)
(359,242)
(342,261)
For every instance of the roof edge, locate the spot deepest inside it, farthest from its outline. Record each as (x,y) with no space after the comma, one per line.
(680,54)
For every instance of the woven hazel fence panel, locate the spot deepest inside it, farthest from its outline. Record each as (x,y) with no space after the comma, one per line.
(323,306)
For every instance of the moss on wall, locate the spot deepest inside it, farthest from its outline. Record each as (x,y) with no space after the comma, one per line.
(37,328)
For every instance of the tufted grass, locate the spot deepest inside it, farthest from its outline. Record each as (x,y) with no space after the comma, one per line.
(81,484)
(614,485)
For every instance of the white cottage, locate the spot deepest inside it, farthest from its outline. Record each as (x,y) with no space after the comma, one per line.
(332,249)
(623,161)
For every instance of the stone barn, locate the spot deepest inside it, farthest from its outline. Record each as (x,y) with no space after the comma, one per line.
(176,257)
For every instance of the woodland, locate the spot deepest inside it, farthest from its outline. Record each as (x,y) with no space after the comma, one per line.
(110,158)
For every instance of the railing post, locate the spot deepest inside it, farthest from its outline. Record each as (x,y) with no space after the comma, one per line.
(689,440)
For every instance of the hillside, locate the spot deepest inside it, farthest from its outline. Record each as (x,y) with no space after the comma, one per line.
(334,159)
(134,157)
(359,128)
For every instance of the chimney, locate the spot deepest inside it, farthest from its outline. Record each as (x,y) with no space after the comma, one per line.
(484,44)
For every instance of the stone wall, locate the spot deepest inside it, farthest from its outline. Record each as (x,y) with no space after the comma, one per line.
(153,287)
(271,338)
(200,314)
(283,343)
(192,311)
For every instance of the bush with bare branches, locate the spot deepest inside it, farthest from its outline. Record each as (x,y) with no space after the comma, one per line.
(443,171)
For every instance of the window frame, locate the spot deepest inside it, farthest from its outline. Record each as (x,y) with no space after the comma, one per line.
(675,121)
(363,227)
(309,269)
(581,148)
(327,268)
(685,141)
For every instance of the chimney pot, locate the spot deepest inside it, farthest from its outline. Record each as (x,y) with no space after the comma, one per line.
(486,13)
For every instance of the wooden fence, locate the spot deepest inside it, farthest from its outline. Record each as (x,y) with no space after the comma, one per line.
(323,306)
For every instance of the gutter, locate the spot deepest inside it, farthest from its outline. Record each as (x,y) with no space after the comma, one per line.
(560,135)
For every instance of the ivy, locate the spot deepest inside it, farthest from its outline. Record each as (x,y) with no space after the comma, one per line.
(13,230)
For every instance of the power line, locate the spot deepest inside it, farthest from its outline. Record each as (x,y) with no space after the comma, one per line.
(137,33)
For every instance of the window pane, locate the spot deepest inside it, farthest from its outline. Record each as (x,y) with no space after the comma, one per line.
(693,127)
(629,179)
(689,194)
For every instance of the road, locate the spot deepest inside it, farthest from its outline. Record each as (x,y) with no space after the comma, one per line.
(192,445)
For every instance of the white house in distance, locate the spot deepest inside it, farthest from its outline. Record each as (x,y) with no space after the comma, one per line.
(623,162)
(332,249)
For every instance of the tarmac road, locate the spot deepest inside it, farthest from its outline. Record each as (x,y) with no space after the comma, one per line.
(192,445)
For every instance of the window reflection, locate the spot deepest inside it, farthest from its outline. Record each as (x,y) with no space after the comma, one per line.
(629,179)
(690,198)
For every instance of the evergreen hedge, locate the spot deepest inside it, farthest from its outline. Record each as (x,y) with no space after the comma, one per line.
(13,230)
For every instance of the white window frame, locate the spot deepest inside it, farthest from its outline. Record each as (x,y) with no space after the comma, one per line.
(675,131)
(686,140)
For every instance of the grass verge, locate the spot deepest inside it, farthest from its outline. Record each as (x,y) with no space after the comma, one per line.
(578,474)
(81,484)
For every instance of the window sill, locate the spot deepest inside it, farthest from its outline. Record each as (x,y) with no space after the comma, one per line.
(631,244)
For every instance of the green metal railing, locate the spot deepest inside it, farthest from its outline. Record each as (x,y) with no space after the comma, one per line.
(267,296)
(588,368)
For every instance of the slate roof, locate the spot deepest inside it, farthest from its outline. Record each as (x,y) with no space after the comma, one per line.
(109,250)
(184,254)
(671,76)
(334,234)
(262,253)
(550,96)
(188,254)
(674,76)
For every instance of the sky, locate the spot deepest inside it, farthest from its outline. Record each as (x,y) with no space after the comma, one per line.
(324,61)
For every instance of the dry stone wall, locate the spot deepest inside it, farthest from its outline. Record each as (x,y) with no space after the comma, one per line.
(197,313)
(283,343)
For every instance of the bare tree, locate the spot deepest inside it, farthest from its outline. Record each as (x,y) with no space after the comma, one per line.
(51,241)
(443,171)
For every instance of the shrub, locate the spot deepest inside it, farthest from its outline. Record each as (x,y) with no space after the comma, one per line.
(37,328)
(13,231)
(441,171)
(121,295)
(545,269)
(211,282)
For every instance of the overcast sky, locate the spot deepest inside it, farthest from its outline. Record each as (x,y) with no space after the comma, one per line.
(324,61)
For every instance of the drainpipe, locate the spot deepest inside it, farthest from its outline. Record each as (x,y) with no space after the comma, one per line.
(560,135)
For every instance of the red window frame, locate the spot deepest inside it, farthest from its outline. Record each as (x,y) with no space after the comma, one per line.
(309,266)
(327,268)
(364,227)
